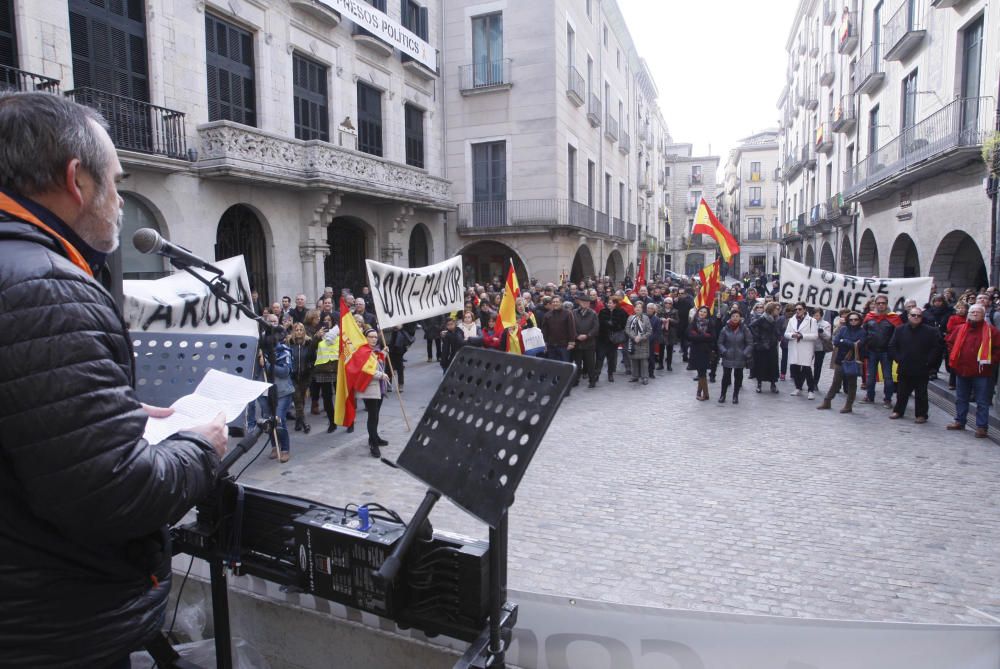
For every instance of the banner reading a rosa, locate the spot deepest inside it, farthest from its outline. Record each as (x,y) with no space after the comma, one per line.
(407,294)
(829,290)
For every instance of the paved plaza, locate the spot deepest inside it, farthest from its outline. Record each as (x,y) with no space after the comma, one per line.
(642,495)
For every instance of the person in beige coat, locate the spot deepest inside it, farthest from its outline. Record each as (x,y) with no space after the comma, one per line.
(801,333)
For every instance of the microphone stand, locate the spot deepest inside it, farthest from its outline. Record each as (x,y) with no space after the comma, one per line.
(218,285)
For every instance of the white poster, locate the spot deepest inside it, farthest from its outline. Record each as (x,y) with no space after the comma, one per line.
(407,294)
(386,29)
(181,303)
(829,290)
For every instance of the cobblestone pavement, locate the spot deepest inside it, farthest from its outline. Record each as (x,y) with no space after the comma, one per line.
(642,495)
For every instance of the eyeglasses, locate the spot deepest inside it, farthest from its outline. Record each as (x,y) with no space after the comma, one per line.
(882,303)
(916,315)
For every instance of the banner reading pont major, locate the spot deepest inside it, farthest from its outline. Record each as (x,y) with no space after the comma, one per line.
(829,290)
(407,294)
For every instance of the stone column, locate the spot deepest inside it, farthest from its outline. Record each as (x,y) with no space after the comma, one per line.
(315,248)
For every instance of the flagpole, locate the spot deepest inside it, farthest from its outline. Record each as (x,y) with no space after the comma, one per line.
(395,385)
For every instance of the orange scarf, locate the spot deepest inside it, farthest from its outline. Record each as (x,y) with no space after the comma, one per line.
(17,211)
(984,356)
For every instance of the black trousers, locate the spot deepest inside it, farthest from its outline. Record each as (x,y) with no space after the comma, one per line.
(432,345)
(396,358)
(682,338)
(917,385)
(732,376)
(586,363)
(818,358)
(669,354)
(803,373)
(373,407)
(607,352)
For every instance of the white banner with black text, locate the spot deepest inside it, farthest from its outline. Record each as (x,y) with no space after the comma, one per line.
(830,290)
(407,294)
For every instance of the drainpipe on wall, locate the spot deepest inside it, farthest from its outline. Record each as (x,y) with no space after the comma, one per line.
(442,79)
(993,191)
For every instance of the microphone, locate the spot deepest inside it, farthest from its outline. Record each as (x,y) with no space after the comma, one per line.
(147,240)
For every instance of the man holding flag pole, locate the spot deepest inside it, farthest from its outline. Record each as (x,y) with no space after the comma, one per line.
(706,223)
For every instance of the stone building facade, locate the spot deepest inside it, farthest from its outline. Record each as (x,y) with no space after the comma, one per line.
(279,129)
(751,202)
(687,179)
(883,116)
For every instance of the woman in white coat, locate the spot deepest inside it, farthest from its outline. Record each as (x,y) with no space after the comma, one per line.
(801,333)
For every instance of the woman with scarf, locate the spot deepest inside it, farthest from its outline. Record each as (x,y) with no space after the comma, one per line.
(936,314)
(303,348)
(367,376)
(766,336)
(639,329)
(735,345)
(849,346)
(701,343)
(280,373)
(954,322)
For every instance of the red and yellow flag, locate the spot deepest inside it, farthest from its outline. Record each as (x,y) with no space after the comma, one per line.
(709,276)
(351,341)
(628,306)
(640,278)
(705,223)
(507,316)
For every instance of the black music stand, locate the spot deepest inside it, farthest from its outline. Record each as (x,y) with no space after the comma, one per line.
(473,445)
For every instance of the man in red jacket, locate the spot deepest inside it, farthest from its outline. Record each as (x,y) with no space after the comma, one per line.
(974,348)
(879,326)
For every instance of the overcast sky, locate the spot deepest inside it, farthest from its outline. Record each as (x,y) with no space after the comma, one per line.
(719,65)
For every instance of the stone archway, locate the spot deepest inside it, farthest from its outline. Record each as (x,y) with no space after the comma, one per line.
(487,260)
(958,263)
(615,267)
(583,265)
(903,258)
(810,256)
(847,257)
(694,263)
(868,255)
(419,253)
(797,254)
(240,232)
(348,238)
(827,261)
(137,213)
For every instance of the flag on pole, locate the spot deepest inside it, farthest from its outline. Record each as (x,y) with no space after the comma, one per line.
(705,223)
(351,341)
(507,316)
(640,277)
(628,306)
(709,276)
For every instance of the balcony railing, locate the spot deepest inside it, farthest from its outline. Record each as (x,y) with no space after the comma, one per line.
(957,131)
(696,179)
(647,135)
(625,144)
(543,215)
(755,177)
(691,208)
(611,127)
(755,204)
(643,179)
(808,157)
(847,32)
(905,30)
(576,89)
(13,79)
(136,125)
(485,75)
(828,69)
(870,74)
(829,12)
(843,117)
(817,214)
(630,232)
(824,138)
(594,110)
(753,236)
(811,98)
(792,165)
(777,174)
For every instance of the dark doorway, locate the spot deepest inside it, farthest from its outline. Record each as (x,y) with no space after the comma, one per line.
(345,266)
(240,233)
(485,261)
(419,255)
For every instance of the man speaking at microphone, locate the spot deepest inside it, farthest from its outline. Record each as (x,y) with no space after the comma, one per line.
(84,499)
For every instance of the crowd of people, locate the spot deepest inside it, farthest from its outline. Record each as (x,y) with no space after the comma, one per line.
(603,327)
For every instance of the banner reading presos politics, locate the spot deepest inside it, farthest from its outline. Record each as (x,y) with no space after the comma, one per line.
(379,24)
(829,290)
(407,294)
(181,303)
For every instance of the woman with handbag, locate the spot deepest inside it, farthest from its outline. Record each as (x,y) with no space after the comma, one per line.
(735,346)
(701,341)
(639,330)
(848,352)
(766,340)
(823,345)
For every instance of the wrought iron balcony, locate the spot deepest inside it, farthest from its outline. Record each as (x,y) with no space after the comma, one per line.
(844,116)
(808,157)
(836,212)
(13,79)
(535,216)
(594,111)
(630,232)
(802,46)
(625,144)
(811,98)
(482,76)
(829,12)
(870,73)
(817,214)
(136,125)
(696,179)
(755,177)
(793,164)
(755,204)
(753,236)
(942,4)
(691,207)
(611,128)
(828,69)
(905,30)
(946,140)
(824,138)
(576,88)
(847,33)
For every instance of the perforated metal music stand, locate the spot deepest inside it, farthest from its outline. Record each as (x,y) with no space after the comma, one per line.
(170,366)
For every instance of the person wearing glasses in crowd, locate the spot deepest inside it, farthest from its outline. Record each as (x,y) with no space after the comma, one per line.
(848,345)
(974,347)
(880,325)
(914,347)
(801,333)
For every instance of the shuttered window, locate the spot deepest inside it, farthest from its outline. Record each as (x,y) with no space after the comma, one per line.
(414,135)
(8,40)
(369,119)
(231,93)
(108,42)
(312,118)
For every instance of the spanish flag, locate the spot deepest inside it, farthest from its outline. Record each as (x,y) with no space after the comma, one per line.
(351,342)
(705,223)
(709,276)
(628,306)
(507,317)
(640,278)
